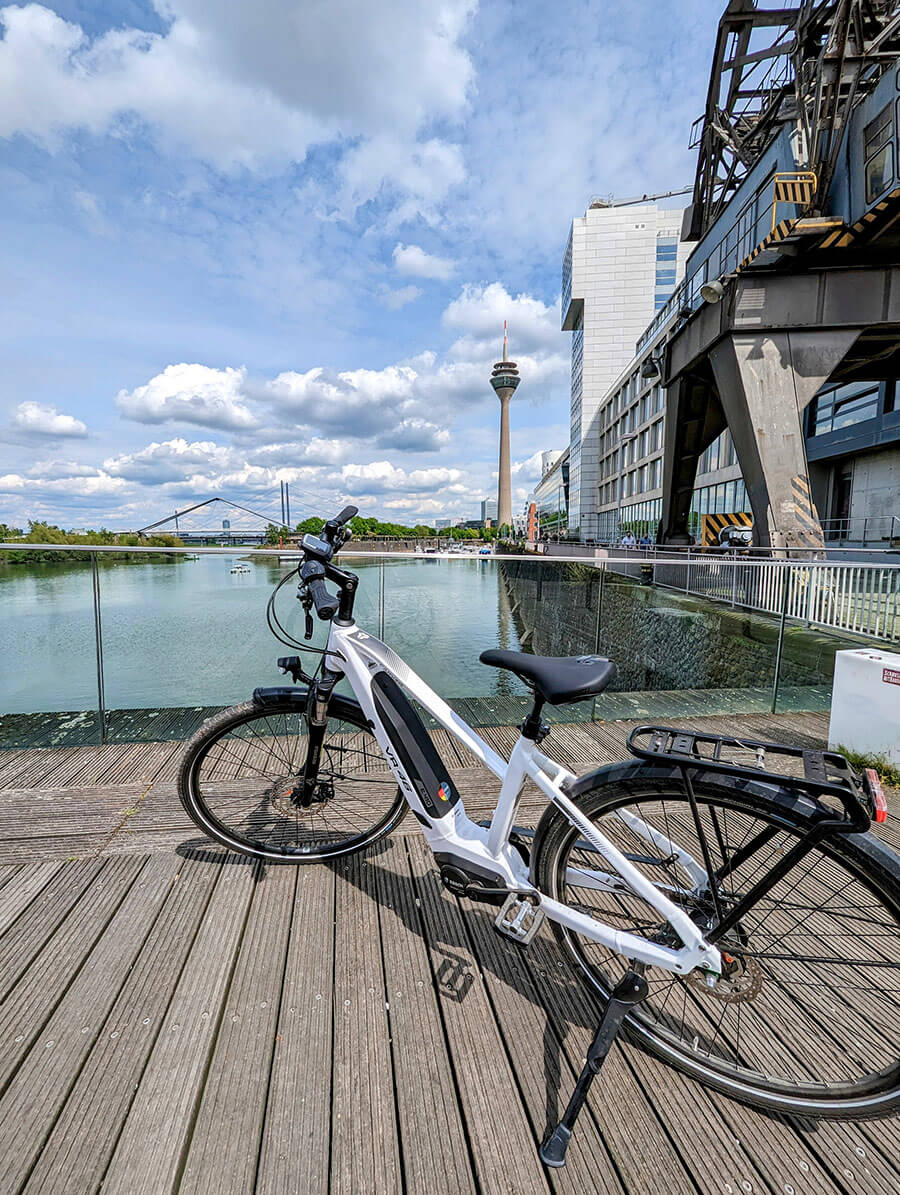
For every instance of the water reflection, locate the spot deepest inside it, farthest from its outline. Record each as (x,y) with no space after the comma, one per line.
(193,633)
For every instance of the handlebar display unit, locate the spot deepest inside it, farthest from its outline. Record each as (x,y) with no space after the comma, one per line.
(319,549)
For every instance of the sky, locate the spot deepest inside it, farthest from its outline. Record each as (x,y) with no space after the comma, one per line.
(251,243)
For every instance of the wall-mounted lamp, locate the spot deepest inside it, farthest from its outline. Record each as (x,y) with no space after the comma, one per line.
(713,292)
(651,367)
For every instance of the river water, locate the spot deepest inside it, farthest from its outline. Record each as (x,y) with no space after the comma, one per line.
(192,633)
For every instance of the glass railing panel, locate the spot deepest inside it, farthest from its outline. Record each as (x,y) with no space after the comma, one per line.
(440,613)
(687,645)
(691,635)
(48,665)
(192,634)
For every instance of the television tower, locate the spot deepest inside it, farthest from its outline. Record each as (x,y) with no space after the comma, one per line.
(504,378)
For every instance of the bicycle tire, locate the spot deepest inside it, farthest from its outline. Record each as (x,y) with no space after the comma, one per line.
(274,829)
(862,860)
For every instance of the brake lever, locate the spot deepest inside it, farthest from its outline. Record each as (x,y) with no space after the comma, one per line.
(304,596)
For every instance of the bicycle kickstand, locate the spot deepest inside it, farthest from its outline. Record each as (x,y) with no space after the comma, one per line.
(630,990)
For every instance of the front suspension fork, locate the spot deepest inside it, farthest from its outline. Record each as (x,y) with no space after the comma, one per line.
(316,720)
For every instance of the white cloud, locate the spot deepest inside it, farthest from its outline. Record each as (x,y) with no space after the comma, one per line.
(424,173)
(240,85)
(191,394)
(171,460)
(411,259)
(479,311)
(380,476)
(394,299)
(54,468)
(98,484)
(35,418)
(528,469)
(406,406)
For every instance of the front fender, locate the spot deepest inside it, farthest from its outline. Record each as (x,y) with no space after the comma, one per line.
(347,708)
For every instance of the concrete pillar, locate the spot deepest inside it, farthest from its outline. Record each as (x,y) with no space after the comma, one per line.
(765,381)
(694,418)
(504,480)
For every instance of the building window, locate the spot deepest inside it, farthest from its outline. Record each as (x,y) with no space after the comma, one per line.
(843,407)
(879,153)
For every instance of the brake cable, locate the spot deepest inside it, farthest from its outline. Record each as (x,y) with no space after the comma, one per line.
(281,633)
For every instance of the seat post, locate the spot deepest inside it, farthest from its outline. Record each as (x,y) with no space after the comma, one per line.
(533,728)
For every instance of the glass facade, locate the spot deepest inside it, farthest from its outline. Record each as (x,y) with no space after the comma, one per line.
(666,269)
(575,427)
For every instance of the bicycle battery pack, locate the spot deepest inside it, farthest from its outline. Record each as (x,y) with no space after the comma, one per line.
(415,750)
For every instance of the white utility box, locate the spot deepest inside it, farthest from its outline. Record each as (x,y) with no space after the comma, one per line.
(865,703)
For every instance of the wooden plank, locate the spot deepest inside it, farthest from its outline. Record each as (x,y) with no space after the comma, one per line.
(40,764)
(42,1082)
(296,1139)
(8,871)
(25,938)
(77,1152)
(149,1153)
(61,823)
(364,1146)
(434,1151)
(224,1146)
(18,894)
(34,998)
(504,1148)
(15,763)
(545,1076)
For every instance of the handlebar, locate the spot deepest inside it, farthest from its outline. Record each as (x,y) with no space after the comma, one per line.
(318,552)
(312,574)
(346,515)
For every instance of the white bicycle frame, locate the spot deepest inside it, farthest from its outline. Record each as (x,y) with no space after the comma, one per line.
(358,655)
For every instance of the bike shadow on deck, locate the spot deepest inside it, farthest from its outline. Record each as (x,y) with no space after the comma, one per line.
(533,993)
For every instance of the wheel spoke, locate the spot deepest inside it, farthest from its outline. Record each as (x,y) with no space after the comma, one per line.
(805,965)
(245,780)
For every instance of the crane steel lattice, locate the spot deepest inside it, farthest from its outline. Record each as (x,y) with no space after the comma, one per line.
(807,64)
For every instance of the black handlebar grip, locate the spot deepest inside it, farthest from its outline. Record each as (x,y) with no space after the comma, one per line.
(346,514)
(326,603)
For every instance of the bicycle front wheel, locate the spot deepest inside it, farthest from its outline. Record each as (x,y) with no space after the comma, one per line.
(242,771)
(807,1019)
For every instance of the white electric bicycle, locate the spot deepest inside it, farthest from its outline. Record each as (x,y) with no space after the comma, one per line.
(740,921)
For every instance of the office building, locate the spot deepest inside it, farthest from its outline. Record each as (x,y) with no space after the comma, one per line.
(550,497)
(488,510)
(621,264)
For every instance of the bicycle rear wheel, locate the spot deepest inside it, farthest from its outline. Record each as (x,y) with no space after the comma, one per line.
(808,1020)
(241,773)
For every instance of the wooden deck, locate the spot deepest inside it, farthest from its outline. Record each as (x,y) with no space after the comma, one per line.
(176,1018)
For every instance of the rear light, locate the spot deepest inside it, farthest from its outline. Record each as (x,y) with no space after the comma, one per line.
(876,792)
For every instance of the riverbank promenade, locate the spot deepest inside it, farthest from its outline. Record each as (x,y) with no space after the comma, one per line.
(177,1018)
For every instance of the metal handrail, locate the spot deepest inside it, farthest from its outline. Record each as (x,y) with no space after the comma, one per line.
(627,555)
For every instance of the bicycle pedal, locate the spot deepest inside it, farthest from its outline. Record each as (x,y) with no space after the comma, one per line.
(520,918)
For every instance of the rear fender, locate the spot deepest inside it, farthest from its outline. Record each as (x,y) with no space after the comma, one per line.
(630,769)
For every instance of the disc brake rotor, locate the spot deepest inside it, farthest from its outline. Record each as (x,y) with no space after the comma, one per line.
(282,796)
(741,981)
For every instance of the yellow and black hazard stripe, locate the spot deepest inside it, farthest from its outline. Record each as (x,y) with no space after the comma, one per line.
(794,188)
(711,525)
(807,517)
(843,238)
(777,234)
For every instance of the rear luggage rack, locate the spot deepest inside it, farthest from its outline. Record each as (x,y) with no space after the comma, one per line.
(825,773)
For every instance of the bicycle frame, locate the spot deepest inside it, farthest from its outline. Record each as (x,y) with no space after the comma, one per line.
(366,661)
